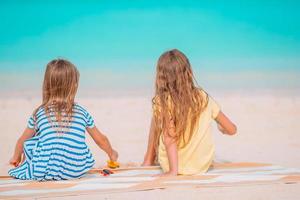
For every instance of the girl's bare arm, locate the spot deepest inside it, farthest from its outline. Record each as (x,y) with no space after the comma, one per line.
(102,141)
(225,125)
(171,148)
(17,157)
(150,154)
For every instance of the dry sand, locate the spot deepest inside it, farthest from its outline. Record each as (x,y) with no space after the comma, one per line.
(268,132)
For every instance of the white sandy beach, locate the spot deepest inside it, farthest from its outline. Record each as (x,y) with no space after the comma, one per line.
(268,132)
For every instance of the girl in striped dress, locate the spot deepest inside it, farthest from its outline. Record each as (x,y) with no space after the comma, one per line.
(53,146)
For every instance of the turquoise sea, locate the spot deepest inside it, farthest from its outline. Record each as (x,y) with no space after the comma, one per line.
(115,44)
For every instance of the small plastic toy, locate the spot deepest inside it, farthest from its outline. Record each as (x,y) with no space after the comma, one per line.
(106,172)
(112,164)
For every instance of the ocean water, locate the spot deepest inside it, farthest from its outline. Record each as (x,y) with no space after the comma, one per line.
(232,45)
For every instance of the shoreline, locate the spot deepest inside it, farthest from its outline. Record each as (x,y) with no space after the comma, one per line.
(149,92)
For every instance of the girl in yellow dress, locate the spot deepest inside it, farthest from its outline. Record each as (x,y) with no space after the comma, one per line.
(180,134)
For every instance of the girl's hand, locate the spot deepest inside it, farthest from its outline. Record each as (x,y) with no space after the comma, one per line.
(167,174)
(221,128)
(147,163)
(15,160)
(114,155)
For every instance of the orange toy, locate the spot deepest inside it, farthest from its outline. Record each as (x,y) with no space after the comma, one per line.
(113,164)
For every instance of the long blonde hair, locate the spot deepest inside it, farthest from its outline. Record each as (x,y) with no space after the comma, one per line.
(59,89)
(177,97)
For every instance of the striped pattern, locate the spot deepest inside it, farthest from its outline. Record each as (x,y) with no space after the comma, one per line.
(57,151)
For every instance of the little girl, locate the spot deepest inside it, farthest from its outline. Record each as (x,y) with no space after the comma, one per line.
(53,145)
(180,134)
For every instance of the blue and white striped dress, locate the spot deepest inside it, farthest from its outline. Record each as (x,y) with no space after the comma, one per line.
(54,155)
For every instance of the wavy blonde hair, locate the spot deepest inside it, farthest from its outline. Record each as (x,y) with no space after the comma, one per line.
(59,89)
(177,97)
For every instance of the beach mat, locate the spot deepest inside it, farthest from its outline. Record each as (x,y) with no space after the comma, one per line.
(142,178)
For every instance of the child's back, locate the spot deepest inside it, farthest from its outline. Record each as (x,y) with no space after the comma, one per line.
(53,145)
(57,151)
(180,136)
